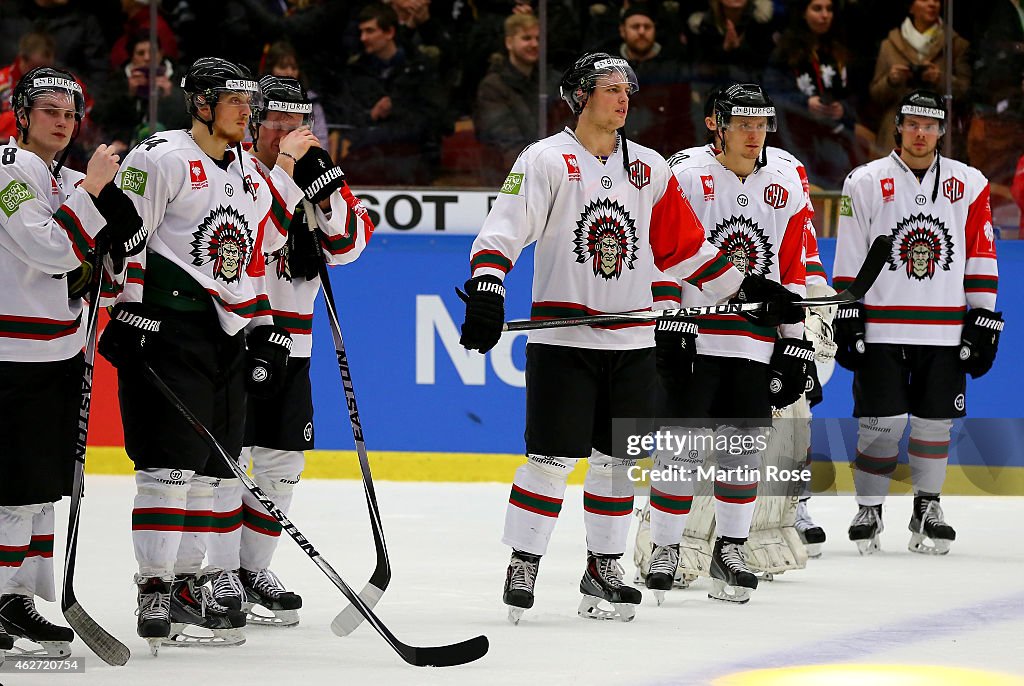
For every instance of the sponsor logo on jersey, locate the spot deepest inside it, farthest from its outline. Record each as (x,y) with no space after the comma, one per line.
(639,173)
(845,206)
(572,168)
(921,244)
(708,182)
(513,182)
(13,195)
(888,189)
(606,182)
(223,239)
(776,196)
(134,180)
(744,244)
(953,189)
(605,237)
(198,174)
(920,200)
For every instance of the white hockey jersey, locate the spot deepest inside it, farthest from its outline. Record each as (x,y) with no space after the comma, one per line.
(344,236)
(943,257)
(600,233)
(47,227)
(760,224)
(201,218)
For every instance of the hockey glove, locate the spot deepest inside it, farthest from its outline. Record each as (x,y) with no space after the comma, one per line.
(304,256)
(317,175)
(80,281)
(131,337)
(814,392)
(675,340)
(848,329)
(124,235)
(980,340)
(778,301)
(787,370)
(485,313)
(266,360)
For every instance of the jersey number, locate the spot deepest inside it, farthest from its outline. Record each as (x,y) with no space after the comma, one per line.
(8,157)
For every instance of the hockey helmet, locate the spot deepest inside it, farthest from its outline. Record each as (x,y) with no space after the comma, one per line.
(280,94)
(56,88)
(744,100)
(210,77)
(579,80)
(921,103)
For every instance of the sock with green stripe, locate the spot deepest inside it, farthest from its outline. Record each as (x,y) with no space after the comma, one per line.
(671,499)
(26,550)
(196,531)
(607,504)
(225,537)
(158,519)
(928,450)
(535,502)
(736,490)
(878,441)
(276,472)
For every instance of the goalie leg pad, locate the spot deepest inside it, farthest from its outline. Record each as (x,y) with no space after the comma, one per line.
(928,451)
(158,519)
(27,531)
(877,454)
(607,503)
(535,502)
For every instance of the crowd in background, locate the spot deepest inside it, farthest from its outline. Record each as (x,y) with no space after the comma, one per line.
(447,92)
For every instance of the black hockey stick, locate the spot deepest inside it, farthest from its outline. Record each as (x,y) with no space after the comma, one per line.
(350,617)
(108,648)
(434,656)
(873,264)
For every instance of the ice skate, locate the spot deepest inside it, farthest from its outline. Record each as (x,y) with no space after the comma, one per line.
(664,571)
(865,528)
(265,590)
(21,620)
(929,533)
(602,581)
(227,589)
(154,611)
(731,579)
(6,643)
(194,607)
(519,582)
(810,533)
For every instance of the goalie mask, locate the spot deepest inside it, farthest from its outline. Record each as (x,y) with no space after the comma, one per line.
(209,78)
(47,87)
(281,94)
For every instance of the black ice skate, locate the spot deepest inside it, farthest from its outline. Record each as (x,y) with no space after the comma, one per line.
(154,611)
(264,589)
(865,528)
(519,582)
(194,607)
(602,581)
(731,579)
(810,533)
(6,643)
(664,571)
(21,620)
(227,589)
(929,533)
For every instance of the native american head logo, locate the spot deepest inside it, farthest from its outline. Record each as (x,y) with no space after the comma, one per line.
(920,245)
(223,239)
(605,237)
(280,259)
(744,244)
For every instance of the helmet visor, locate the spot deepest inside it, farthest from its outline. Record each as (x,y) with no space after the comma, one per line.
(614,71)
(239,93)
(56,94)
(748,119)
(286,116)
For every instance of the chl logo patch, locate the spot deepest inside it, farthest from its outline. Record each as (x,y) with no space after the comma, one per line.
(953,189)
(197,173)
(744,244)
(223,239)
(605,237)
(776,196)
(639,173)
(572,168)
(921,244)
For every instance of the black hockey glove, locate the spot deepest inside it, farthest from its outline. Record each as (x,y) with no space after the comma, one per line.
(778,301)
(317,175)
(675,340)
(848,329)
(980,340)
(266,360)
(304,256)
(813,388)
(787,370)
(485,313)
(124,235)
(131,337)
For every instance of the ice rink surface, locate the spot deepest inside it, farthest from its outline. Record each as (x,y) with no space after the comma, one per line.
(964,610)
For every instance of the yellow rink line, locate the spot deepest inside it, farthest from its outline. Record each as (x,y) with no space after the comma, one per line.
(479,467)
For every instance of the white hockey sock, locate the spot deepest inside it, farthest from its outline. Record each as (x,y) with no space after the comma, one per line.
(671,499)
(929,452)
(736,493)
(226,526)
(26,550)
(607,503)
(158,518)
(276,472)
(535,501)
(878,441)
(198,517)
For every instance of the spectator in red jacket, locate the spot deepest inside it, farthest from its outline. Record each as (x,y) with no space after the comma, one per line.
(35,49)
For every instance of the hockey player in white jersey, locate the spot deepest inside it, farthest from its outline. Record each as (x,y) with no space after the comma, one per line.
(604,212)
(53,219)
(927,321)
(185,304)
(279,425)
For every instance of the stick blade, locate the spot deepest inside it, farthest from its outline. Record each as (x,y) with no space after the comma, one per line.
(350,618)
(874,263)
(106,647)
(450,655)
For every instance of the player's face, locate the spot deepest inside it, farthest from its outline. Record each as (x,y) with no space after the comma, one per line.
(276,126)
(51,122)
(745,136)
(524,47)
(232,116)
(608,105)
(920,135)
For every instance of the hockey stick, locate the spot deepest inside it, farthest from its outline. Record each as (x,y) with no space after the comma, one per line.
(434,656)
(873,264)
(349,618)
(108,648)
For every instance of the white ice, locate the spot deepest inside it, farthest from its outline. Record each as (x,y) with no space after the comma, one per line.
(965,609)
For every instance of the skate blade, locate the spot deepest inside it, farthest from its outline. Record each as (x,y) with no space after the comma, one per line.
(258,615)
(813,550)
(155,643)
(592,607)
(515,614)
(765,576)
(215,638)
(919,543)
(49,650)
(868,546)
(729,594)
(659,597)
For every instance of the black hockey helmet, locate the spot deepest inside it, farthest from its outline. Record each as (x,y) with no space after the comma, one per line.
(280,94)
(46,85)
(743,100)
(922,103)
(579,80)
(210,77)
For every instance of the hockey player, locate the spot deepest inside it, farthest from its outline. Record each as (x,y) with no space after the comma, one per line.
(279,426)
(926,323)
(51,221)
(604,213)
(185,303)
(756,214)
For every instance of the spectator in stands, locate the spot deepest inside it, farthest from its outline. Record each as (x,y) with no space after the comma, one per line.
(808,78)
(136,22)
(731,39)
(914,56)
(35,49)
(420,31)
(392,102)
(281,60)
